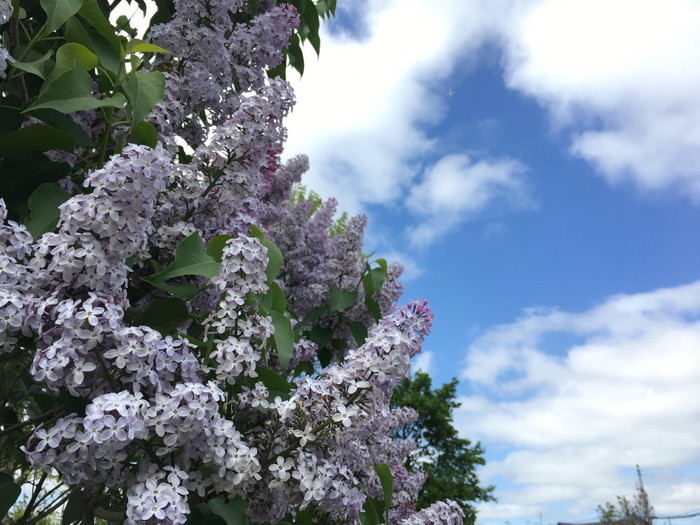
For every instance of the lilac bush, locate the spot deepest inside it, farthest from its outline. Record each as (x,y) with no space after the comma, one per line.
(191,340)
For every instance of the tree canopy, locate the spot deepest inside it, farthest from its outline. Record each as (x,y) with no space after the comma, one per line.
(449,460)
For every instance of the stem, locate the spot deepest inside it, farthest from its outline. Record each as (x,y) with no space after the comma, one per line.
(35,494)
(105,368)
(108,113)
(49,510)
(14,30)
(109,515)
(14,37)
(45,415)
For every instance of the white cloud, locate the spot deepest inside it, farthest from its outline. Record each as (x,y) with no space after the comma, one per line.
(363,107)
(578,397)
(456,187)
(423,362)
(623,75)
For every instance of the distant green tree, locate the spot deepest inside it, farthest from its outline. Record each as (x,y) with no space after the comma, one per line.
(637,511)
(449,460)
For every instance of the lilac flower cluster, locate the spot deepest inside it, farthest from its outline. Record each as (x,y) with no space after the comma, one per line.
(225,174)
(5,60)
(174,419)
(217,60)
(5,11)
(16,282)
(441,513)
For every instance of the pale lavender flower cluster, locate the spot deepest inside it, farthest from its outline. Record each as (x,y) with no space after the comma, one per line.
(407,485)
(239,349)
(344,413)
(304,350)
(172,419)
(16,280)
(5,11)
(221,191)
(258,46)
(5,59)
(217,60)
(92,449)
(441,513)
(159,496)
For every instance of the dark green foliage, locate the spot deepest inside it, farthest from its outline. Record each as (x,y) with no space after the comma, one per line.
(449,461)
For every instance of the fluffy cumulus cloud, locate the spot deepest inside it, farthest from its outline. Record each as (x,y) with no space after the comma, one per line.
(578,399)
(622,76)
(456,188)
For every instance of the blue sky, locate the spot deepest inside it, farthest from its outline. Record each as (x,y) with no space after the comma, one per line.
(535,166)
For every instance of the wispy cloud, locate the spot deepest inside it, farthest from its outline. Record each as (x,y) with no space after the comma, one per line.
(576,398)
(456,188)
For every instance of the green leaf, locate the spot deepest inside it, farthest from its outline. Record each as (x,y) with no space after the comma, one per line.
(313,315)
(274,381)
(59,11)
(254,7)
(203,515)
(144,90)
(72,91)
(283,337)
(359,331)
(310,16)
(21,175)
(232,512)
(44,203)
(36,137)
(182,290)
(321,336)
(274,255)
(75,32)
(38,67)
(164,315)
(10,118)
(370,516)
(315,40)
(9,492)
(67,124)
(139,46)
(373,278)
(296,56)
(304,517)
(279,302)
(216,246)
(144,133)
(75,508)
(91,12)
(108,56)
(387,481)
(341,300)
(71,53)
(373,307)
(190,259)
